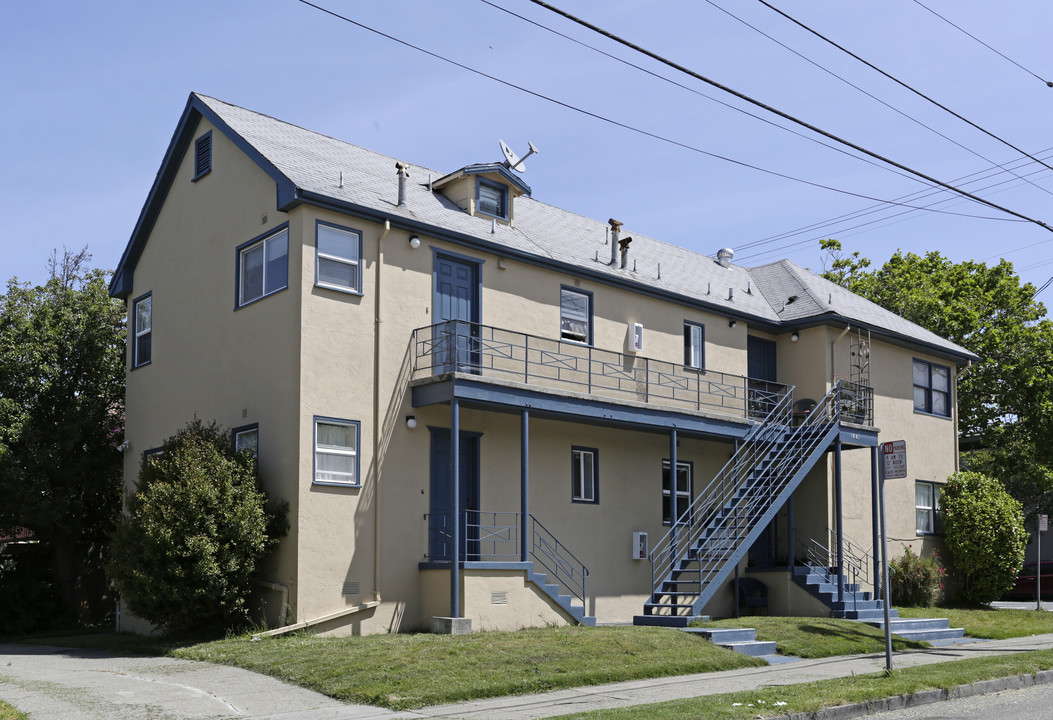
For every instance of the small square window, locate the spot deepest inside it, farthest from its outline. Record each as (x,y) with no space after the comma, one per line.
(492,199)
(584,475)
(338,258)
(927,507)
(336,451)
(263,267)
(142,344)
(575,315)
(694,345)
(247,439)
(202,155)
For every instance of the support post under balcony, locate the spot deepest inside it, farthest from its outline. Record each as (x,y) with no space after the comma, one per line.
(875,519)
(455,508)
(840,523)
(524,486)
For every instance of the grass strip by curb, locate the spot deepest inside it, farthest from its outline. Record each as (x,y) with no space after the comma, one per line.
(813,697)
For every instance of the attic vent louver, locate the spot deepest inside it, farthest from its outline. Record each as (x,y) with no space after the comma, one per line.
(724,256)
(203,155)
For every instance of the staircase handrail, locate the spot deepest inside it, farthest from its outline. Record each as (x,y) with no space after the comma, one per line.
(775,434)
(856,560)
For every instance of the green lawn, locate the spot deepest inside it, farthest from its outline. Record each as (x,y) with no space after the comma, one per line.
(988,623)
(406,671)
(809,697)
(9,713)
(816,637)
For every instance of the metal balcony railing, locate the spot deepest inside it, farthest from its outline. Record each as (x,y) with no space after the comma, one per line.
(458,346)
(495,537)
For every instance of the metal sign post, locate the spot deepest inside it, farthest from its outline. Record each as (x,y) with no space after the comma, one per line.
(893,466)
(1043,525)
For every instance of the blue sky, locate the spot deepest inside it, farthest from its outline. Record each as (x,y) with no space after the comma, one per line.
(93,91)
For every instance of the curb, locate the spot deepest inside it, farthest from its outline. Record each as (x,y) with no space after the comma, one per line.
(924,697)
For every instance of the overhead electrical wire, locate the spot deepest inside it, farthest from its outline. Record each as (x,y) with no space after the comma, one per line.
(780,113)
(868,94)
(1048,83)
(899,82)
(656,136)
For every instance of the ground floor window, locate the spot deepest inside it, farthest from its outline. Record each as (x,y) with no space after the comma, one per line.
(584,474)
(927,507)
(676,498)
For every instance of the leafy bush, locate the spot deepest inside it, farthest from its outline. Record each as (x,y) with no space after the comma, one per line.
(28,596)
(916,581)
(185,552)
(985,535)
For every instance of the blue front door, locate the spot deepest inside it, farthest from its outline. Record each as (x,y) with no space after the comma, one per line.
(456,314)
(439,519)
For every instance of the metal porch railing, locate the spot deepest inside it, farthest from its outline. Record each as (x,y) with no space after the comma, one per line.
(690,561)
(812,552)
(458,346)
(495,537)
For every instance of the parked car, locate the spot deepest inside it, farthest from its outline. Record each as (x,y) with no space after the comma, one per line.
(1026,585)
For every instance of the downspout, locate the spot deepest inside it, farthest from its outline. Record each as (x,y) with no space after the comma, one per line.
(957,449)
(376,412)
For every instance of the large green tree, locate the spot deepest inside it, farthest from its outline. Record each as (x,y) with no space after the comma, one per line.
(1005,399)
(62,420)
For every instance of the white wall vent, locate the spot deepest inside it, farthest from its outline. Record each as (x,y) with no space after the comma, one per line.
(499,598)
(639,546)
(635,337)
(352,588)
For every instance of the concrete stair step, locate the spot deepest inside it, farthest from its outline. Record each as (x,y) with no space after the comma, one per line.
(754,648)
(899,624)
(676,621)
(723,636)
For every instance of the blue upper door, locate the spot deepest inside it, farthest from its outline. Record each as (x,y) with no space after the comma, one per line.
(760,366)
(456,316)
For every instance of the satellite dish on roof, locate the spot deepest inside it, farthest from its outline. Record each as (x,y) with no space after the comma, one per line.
(513,161)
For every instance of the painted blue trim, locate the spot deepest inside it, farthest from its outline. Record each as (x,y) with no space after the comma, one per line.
(455,256)
(499,169)
(234,432)
(506,205)
(589,411)
(595,475)
(284,227)
(852,438)
(314,451)
(134,339)
(950,389)
(592,312)
(357,290)
(200,170)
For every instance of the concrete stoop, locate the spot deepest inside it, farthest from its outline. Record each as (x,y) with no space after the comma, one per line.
(741,640)
(924,629)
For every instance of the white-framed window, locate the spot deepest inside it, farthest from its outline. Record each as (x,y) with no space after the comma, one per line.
(676,499)
(927,507)
(338,258)
(336,451)
(932,388)
(492,199)
(584,474)
(575,315)
(694,345)
(247,439)
(142,343)
(263,266)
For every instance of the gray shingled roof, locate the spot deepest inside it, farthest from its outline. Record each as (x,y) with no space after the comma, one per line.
(349,174)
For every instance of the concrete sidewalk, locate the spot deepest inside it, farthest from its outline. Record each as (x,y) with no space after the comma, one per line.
(52,683)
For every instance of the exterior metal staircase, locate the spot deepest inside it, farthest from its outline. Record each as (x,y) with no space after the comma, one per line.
(704,545)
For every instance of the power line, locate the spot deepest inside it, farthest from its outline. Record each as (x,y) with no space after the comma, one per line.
(647,133)
(901,83)
(869,95)
(787,116)
(966,32)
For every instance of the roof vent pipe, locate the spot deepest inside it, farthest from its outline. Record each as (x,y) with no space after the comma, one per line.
(624,245)
(615,229)
(403,171)
(724,256)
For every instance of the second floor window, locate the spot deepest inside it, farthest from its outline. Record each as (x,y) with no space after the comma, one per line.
(575,315)
(694,342)
(144,324)
(932,388)
(338,258)
(263,267)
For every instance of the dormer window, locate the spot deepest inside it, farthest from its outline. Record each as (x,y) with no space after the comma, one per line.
(492,199)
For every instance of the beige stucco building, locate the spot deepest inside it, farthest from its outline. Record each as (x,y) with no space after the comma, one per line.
(375,329)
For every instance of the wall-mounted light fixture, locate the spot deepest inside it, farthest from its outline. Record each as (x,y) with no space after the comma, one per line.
(794,336)
(411,421)
(732,323)
(414,242)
